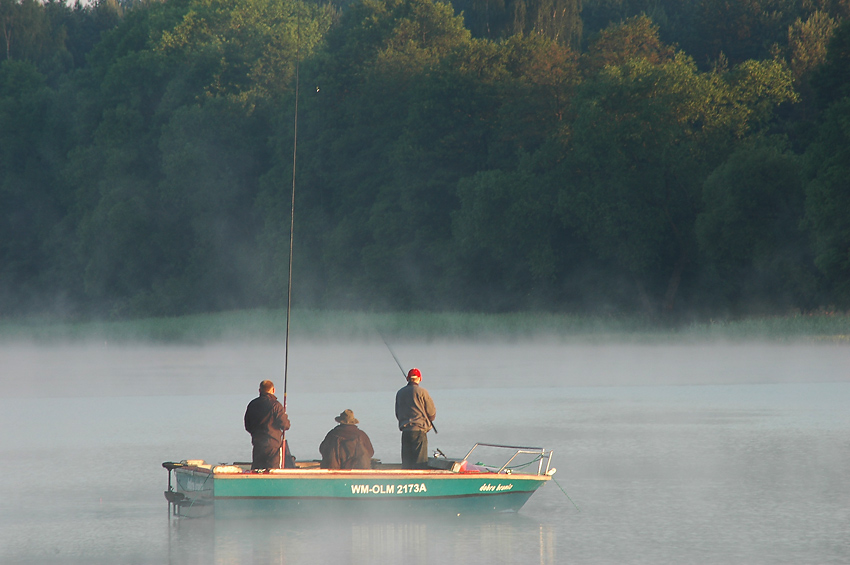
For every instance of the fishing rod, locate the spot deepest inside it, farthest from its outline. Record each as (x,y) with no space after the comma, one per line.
(400,367)
(394,356)
(291,222)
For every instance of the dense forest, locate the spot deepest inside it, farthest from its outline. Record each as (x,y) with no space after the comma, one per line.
(674,159)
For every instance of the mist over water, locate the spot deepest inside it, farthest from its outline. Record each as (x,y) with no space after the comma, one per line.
(722,453)
(104,369)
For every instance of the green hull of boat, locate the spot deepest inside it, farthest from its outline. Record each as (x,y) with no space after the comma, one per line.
(447,487)
(204,492)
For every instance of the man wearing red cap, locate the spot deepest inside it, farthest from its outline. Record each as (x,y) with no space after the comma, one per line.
(415,411)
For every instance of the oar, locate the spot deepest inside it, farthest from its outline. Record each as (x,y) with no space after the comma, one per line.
(400,367)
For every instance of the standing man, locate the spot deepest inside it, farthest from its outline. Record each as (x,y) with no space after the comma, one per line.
(415,411)
(265,420)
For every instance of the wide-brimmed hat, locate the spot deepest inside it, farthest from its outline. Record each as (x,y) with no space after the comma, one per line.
(347,417)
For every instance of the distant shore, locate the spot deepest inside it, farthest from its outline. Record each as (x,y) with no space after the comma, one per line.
(270,325)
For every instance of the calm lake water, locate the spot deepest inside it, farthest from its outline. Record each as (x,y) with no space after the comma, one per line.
(722,453)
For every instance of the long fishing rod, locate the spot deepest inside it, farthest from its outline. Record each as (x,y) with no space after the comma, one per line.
(292,214)
(400,367)
(394,356)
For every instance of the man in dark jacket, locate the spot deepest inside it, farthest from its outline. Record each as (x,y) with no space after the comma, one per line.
(415,411)
(346,446)
(266,420)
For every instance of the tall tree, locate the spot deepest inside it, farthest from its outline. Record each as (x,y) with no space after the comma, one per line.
(646,135)
(828,199)
(365,208)
(749,230)
(33,140)
(807,43)
(741,30)
(558,20)
(25,29)
(827,188)
(169,90)
(831,80)
(212,158)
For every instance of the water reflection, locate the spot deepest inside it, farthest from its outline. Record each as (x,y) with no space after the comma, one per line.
(507,538)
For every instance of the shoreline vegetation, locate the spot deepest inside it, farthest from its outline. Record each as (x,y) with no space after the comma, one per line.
(458,156)
(270,325)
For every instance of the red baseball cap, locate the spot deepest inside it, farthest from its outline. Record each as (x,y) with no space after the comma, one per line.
(414,372)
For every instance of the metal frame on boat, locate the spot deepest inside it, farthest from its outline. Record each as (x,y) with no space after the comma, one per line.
(447,486)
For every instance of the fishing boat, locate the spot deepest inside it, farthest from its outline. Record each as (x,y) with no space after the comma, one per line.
(196,488)
(446,486)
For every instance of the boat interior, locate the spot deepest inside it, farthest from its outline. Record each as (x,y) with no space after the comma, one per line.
(519,459)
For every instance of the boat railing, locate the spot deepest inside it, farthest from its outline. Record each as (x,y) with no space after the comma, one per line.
(540,454)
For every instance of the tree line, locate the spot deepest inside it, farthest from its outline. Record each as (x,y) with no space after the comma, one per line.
(673,159)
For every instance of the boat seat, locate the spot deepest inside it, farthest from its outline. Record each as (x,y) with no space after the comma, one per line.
(467,467)
(200,463)
(228,469)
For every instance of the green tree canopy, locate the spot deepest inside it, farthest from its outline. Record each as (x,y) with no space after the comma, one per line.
(750,229)
(828,198)
(648,130)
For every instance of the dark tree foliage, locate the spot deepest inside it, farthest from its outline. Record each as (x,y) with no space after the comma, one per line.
(649,129)
(828,170)
(831,80)
(33,195)
(750,231)
(380,198)
(85,25)
(582,156)
(558,20)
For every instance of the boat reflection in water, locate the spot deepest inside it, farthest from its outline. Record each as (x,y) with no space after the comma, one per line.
(492,538)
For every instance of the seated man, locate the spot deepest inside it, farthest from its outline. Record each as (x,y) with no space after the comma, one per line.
(346,446)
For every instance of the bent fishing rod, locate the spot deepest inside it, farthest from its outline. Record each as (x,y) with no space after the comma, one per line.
(400,367)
